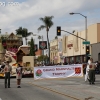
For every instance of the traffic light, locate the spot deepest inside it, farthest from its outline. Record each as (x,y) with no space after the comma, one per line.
(58,31)
(87,53)
(87,50)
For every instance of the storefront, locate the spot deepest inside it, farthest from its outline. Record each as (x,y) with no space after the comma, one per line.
(75,59)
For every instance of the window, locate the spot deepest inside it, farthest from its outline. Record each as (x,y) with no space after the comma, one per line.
(27,64)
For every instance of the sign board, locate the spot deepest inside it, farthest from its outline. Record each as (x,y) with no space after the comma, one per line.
(58,71)
(86,42)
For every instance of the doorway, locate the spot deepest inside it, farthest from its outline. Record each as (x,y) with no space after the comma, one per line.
(98,56)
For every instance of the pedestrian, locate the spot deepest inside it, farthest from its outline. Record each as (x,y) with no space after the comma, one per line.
(87,70)
(92,67)
(7,71)
(19,75)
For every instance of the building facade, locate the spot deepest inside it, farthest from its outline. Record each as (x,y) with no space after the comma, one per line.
(95,51)
(54,51)
(73,49)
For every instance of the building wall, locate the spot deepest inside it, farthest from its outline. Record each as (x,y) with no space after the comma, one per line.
(82,46)
(61,44)
(76,44)
(54,51)
(64,45)
(92,33)
(74,47)
(98,31)
(29,59)
(38,53)
(70,48)
(95,48)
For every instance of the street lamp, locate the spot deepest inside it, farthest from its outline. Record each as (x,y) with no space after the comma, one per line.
(85,25)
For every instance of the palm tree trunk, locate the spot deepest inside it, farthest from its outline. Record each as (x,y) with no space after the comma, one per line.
(26,40)
(48,45)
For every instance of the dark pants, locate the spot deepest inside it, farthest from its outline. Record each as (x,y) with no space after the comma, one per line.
(92,76)
(7,76)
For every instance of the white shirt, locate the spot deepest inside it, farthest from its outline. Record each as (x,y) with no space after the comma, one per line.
(7,68)
(87,68)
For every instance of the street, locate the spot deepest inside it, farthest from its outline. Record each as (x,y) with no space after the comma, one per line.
(51,89)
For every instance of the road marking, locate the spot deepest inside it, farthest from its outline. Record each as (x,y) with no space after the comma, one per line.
(55,91)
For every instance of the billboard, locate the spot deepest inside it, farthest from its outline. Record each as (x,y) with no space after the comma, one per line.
(42,45)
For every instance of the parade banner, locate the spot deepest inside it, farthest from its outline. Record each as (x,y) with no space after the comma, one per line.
(60,71)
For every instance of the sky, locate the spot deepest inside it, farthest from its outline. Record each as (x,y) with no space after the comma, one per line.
(26,14)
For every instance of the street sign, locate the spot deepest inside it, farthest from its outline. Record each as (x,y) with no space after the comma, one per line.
(86,42)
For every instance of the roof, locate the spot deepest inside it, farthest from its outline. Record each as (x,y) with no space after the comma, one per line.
(24,50)
(7,35)
(23,46)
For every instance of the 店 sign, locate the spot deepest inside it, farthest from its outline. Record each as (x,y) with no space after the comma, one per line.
(58,71)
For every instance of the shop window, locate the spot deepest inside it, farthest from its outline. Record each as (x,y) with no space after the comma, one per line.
(77,59)
(72,59)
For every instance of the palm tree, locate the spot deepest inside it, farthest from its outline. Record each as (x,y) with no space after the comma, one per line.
(24,32)
(47,20)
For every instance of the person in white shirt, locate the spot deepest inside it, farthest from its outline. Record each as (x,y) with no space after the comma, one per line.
(87,71)
(19,75)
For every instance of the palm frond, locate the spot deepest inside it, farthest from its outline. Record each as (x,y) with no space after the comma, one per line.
(41,19)
(41,27)
(48,21)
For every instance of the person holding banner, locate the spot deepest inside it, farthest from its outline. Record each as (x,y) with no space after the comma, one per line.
(87,71)
(92,67)
(19,75)
(7,71)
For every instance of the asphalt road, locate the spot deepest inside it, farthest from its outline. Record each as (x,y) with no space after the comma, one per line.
(52,89)
(27,92)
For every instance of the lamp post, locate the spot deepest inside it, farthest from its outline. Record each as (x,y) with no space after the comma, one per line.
(85,23)
(85,26)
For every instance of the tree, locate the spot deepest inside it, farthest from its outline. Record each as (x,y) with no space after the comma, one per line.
(40,58)
(24,32)
(39,37)
(29,42)
(56,37)
(32,50)
(48,23)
